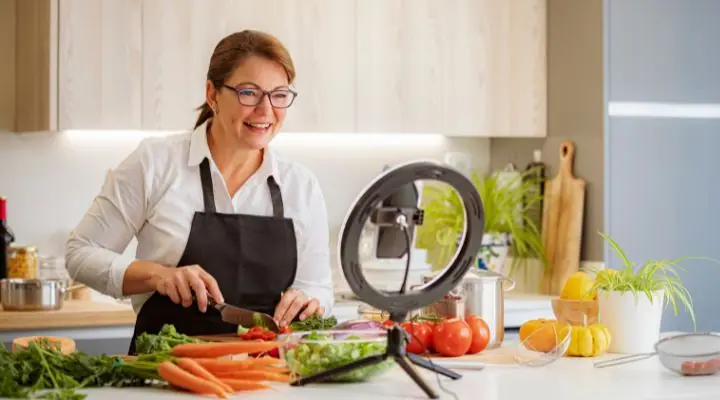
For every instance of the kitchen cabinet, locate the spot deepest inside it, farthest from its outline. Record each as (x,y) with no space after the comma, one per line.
(99,64)
(461,67)
(466,67)
(74,64)
(179,38)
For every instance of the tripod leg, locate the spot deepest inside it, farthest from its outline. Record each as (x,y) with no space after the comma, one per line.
(421,362)
(339,370)
(405,364)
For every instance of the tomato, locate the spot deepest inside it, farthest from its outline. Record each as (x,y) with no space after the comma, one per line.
(388,323)
(452,337)
(480,334)
(285,329)
(420,335)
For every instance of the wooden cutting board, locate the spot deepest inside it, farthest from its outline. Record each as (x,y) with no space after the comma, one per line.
(563,209)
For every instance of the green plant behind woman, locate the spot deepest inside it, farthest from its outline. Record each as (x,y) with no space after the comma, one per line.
(506,204)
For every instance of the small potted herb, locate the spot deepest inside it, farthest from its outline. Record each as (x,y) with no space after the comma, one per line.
(508,229)
(631,299)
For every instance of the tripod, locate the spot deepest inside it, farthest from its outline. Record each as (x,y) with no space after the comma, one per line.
(396,340)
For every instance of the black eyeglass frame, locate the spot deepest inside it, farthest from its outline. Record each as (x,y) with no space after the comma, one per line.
(264,93)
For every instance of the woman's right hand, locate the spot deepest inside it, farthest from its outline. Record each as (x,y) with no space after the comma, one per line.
(182,282)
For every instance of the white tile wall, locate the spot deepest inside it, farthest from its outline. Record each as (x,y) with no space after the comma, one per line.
(51,178)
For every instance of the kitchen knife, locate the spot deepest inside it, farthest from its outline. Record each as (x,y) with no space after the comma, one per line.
(242,316)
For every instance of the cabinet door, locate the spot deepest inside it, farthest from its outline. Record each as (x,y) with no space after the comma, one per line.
(509,48)
(180,36)
(99,53)
(461,67)
(399,78)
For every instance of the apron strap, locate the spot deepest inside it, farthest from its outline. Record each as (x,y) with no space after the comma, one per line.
(276,197)
(207,186)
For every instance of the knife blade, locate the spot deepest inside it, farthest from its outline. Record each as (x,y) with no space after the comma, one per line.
(242,316)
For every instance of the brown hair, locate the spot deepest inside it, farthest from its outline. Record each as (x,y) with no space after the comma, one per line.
(233,50)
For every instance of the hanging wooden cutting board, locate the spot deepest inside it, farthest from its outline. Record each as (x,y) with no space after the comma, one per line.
(563,209)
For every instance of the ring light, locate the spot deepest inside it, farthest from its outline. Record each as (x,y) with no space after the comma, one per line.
(382,187)
(399,304)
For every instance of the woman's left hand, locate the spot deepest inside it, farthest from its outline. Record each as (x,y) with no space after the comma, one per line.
(290,305)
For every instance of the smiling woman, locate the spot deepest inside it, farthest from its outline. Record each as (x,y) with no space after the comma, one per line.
(215,211)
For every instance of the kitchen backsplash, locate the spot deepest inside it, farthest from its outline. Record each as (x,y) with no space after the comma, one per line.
(50,179)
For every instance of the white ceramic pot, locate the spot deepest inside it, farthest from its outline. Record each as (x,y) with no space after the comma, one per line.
(494,252)
(632,319)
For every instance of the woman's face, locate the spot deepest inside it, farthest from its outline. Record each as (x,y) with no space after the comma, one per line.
(253,126)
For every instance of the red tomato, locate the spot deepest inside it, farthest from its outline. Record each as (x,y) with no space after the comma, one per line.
(480,334)
(388,323)
(452,337)
(420,336)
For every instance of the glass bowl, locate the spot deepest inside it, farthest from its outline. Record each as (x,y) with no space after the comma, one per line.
(309,353)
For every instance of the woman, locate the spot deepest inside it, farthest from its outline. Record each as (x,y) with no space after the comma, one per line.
(215,211)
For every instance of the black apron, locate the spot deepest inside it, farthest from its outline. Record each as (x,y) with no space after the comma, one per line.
(253,259)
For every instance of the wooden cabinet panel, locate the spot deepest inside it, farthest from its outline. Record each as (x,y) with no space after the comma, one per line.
(514,44)
(399,81)
(7,65)
(180,36)
(99,64)
(460,67)
(178,39)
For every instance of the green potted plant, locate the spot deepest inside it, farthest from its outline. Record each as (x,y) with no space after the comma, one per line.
(631,299)
(508,229)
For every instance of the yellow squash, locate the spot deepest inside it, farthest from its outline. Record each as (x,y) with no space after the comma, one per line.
(589,341)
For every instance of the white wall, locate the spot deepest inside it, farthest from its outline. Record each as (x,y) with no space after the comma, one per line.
(50,179)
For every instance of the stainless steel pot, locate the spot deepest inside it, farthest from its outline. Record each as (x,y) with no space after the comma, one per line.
(34,294)
(481,293)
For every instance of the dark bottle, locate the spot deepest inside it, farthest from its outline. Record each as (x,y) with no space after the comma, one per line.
(535,178)
(6,238)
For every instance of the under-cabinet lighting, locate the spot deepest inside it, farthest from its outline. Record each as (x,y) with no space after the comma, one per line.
(664,110)
(283,139)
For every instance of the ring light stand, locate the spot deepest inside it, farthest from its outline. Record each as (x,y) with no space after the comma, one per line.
(398,305)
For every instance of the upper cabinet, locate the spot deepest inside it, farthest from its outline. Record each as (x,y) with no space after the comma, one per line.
(76,64)
(179,37)
(458,67)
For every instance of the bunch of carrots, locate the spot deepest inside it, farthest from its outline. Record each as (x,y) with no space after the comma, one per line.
(199,368)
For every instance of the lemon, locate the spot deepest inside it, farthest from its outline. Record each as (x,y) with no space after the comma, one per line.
(578,287)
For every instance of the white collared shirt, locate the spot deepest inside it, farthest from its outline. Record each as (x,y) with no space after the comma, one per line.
(153,194)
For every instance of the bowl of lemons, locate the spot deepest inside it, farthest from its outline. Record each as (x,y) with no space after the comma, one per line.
(578,304)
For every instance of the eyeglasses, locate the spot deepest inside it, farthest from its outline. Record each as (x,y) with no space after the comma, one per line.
(279,98)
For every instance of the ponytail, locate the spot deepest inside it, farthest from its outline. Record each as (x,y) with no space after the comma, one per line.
(205,114)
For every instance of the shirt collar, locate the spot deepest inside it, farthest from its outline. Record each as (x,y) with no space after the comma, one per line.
(199,150)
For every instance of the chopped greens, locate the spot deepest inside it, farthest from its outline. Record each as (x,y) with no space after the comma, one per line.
(41,367)
(308,359)
(164,341)
(314,323)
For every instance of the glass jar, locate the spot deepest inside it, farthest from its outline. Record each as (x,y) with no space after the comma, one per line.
(22,262)
(53,268)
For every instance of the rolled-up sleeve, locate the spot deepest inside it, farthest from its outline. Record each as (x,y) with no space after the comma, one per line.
(94,248)
(314,274)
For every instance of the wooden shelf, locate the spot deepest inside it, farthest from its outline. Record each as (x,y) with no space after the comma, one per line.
(74,314)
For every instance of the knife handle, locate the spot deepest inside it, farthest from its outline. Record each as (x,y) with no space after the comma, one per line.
(211,300)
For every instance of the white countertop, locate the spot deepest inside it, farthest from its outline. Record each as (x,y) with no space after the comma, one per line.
(567,378)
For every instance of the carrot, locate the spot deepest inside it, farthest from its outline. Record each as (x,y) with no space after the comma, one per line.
(190,365)
(178,377)
(218,365)
(252,375)
(242,385)
(219,349)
